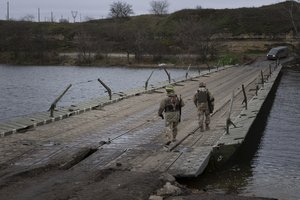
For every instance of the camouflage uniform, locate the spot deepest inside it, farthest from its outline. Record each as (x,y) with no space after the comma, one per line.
(171,106)
(201,101)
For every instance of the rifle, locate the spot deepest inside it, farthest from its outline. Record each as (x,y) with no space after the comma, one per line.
(210,106)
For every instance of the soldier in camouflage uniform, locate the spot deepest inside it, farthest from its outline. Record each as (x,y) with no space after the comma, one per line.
(171,106)
(204,101)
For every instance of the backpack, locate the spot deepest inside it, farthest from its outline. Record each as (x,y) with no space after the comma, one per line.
(172,104)
(201,96)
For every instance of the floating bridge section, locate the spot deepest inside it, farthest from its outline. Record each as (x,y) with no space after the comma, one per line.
(129,135)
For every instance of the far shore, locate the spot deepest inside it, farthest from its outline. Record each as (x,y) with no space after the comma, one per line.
(71,59)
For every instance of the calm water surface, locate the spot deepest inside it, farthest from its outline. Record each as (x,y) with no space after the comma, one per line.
(269,166)
(29,89)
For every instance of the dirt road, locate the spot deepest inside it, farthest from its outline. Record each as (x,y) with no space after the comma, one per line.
(114,152)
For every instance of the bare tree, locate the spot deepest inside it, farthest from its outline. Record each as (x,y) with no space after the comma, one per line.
(63,20)
(195,35)
(159,7)
(120,10)
(85,46)
(291,8)
(28,18)
(87,18)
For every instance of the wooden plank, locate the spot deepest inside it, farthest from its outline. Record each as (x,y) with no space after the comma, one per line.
(3,129)
(9,126)
(191,162)
(12,123)
(25,121)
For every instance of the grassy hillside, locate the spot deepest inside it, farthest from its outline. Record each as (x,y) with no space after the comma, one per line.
(187,31)
(269,20)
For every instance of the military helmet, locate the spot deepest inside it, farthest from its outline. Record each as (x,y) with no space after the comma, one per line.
(202,84)
(170,89)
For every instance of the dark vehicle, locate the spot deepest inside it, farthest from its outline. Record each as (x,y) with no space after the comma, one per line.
(278,53)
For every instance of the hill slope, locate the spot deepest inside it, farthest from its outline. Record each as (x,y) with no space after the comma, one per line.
(202,32)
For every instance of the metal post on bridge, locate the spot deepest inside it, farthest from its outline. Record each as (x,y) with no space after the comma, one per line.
(245,97)
(168,74)
(262,78)
(187,71)
(228,120)
(256,90)
(277,62)
(53,105)
(107,88)
(146,83)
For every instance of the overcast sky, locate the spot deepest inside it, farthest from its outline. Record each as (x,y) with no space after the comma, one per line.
(100,8)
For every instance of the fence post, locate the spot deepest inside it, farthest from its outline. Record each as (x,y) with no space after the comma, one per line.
(168,74)
(256,90)
(262,78)
(146,83)
(228,120)
(106,87)
(245,97)
(187,72)
(53,105)
(277,62)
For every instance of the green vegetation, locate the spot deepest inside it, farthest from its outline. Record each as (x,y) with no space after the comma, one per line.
(198,34)
(228,60)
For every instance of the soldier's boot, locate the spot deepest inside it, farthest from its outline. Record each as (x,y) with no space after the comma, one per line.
(168,135)
(174,134)
(174,138)
(207,127)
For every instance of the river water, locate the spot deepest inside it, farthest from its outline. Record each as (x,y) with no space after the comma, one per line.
(29,89)
(268,165)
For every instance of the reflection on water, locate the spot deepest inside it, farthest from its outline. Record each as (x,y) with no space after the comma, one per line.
(269,164)
(276,166)
(28,89)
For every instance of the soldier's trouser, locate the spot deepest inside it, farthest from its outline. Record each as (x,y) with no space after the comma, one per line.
(171,131)
(201,115)
(172,120)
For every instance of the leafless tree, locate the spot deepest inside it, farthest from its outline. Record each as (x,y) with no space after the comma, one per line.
(290,8)
(87,18)
(63,20)
(120,10)
(28,18)
(85,47)
(195,35)
(159,7)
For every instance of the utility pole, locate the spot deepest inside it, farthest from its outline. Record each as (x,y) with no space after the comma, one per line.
(52,17)
(39,15)
(7,12)
(74,14)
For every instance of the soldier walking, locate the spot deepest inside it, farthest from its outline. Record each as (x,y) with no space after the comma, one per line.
(171,106)
(204,101)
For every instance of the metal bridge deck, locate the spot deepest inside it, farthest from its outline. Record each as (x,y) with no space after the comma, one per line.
(129,134)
